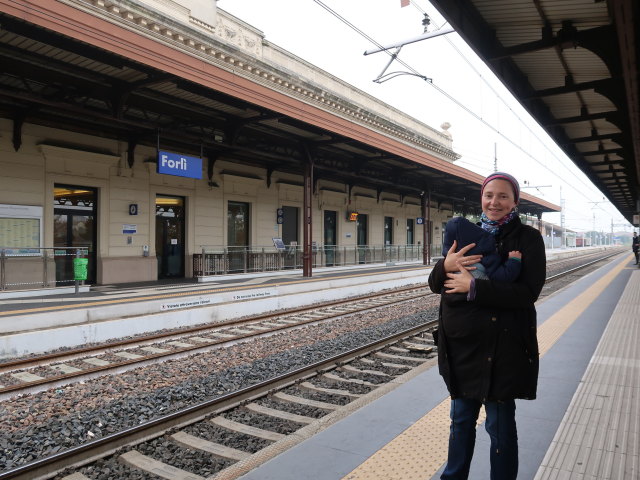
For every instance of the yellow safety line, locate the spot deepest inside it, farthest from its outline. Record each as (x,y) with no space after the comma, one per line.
(421,450)
(189,294)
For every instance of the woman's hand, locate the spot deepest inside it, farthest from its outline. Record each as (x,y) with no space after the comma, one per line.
(456,261)
(458,282)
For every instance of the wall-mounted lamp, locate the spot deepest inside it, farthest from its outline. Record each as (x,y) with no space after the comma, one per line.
(218,136)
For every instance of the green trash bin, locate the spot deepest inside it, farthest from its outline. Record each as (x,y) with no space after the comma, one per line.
(80,268)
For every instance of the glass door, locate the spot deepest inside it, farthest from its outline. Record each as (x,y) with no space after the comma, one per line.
(290,236)
(388,231)
(330,237)
(75,221)
(361,237)
(238,235)
(410,231)
(170,236)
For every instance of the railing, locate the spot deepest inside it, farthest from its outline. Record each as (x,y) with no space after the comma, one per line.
(223,260)
(25,268)
(50,267)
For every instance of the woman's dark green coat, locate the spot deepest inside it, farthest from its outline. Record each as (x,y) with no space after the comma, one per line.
(487,348)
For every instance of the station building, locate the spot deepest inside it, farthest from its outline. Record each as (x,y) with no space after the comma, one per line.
(172,140)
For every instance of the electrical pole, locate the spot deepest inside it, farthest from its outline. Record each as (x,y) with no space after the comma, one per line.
(562,225)
(611,237)
(495,157)
(595,204)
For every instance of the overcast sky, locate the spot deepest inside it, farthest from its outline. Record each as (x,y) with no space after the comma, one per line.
(483,115)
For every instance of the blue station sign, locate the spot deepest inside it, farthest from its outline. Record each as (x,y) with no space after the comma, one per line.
(179,165)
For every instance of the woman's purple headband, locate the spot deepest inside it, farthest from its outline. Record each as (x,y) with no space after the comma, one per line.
(503,176)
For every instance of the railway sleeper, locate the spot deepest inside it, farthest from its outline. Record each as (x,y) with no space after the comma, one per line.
(258,328)
(147,464)
(96,362)
(198,339)
(65,369)
(399,349)
(191,441)
(349,368)
(272,412)
(247,429)
(26,377)
(154,350)
(134,356)
(421,339)
(336,378)
(75,476)
(272,325)
(413,347)
(222,335)
(390,356)
(240,331)
(386,364)
(285,397)
(180,344)
(331,391)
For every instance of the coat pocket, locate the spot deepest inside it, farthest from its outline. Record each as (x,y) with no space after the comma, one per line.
(461,320)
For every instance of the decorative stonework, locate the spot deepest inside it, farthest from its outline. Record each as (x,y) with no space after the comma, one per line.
(172,8)
(248,41)
(240,37)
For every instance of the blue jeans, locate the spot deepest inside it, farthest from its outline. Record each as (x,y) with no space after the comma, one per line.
(501,427)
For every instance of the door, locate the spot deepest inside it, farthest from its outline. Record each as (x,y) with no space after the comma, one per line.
(290,236)
(75,221)
(362,237)
(388,231)
(238,235)
(170,251)
(330,237)
(410,231)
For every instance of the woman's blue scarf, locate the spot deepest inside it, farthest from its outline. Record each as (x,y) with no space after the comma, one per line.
(493,226)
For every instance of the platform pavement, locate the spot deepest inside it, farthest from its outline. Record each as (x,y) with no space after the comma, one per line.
(361,447)
(28,327)
(599,436)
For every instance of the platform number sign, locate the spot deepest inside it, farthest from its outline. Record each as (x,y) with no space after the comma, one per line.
(420,221)
(280,216)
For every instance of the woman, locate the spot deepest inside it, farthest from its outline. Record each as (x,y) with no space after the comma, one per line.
(487,346)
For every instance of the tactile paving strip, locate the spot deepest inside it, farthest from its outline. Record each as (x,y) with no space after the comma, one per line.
(420,451)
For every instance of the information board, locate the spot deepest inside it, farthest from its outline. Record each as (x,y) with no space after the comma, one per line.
(278,243)
(19,233)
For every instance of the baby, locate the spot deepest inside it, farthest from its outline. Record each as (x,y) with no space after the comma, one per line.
(491,266)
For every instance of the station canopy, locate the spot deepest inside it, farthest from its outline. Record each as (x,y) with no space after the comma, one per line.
(54,76)
(574,65)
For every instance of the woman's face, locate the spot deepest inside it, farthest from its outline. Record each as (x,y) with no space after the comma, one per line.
(497,199)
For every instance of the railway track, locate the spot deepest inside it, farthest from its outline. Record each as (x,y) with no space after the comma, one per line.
(214,413)
(46,371)
(586,261)
(379,362)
